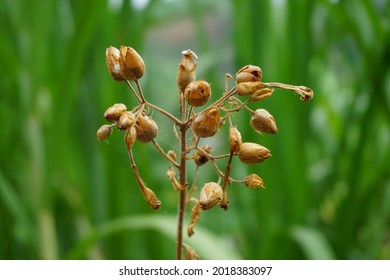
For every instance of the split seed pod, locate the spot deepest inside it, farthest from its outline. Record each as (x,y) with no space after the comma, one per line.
(132,66)
(114,112)
(263,121)
(253,153)
(112,61)
(187,70)
(249,73)
(130,137)
(197,93)
(104,132)
(200,158)
(146,128)
(207,123)
(235,140)
(210,195)
(253,181)
(126,120)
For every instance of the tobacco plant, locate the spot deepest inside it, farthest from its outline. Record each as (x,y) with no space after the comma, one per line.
(195,119)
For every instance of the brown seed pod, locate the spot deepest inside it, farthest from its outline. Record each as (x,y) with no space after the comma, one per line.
(261,94)
(253,153)
(112,61)
(199,157)
(263,121)
(248,88)
(249,73)
(114,112)
(195,213)
(186,72)
(197,93)
(126,120)
(132,66)
(130,137)
(146,128)
(104,132)
(151,198)
(210,195)
(253,181)
(235,140)
(207,123)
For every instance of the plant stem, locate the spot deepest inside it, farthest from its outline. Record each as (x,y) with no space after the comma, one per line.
(182,193)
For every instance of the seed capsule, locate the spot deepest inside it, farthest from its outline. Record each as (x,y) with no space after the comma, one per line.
(210,195)
(130,137)
(261,94)
(235,140)
(104,132)
(207,123)
(187,70)
(112,61)
(146,128)
(199,157)
(151,198)
(249,73)
(253,181)
(126,120)
(248,88)
(114,112)
(132,66)
(253,153)
(263,121)
(197,93)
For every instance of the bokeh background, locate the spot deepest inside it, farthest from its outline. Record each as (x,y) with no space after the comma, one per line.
(64,195)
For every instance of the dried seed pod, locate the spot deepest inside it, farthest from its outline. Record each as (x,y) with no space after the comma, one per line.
(263,121)
(151,198)
(261,94)
(130,137)
(172,155)
(253,181)
(207,123)
(235,140)
(146,128)
(210,195)
(248,88)
(199,157)
(186,72)
(126,120)
(104,132)
(195,213)
(197,93)
(190,253)
(132,66)
(114,112)
(249,73)
(253,153)
(112,61)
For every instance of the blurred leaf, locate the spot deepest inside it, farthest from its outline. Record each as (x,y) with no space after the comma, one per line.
(312,242)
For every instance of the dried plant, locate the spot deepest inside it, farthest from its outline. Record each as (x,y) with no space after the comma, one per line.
(127,65)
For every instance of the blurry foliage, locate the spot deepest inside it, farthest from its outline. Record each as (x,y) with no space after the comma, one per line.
(64,195)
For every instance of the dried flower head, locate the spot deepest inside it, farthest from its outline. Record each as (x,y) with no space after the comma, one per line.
(263,121)
(207,124)
(249,73)
(199,157)
(187,70)
(146,128)
(112,61)
(235,140)
(114,112)
(253,153)
(210,195)
(132,66)
(197,93)
(126,120)
(104,132)
(253,181)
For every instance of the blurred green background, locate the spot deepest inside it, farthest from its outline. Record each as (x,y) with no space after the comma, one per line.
(64,195)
